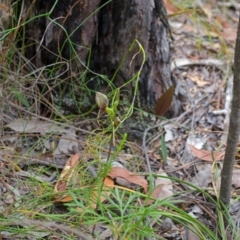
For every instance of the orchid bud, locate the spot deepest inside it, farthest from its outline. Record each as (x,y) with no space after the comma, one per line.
(101,100)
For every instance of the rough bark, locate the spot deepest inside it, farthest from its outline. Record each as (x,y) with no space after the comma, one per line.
(109,33)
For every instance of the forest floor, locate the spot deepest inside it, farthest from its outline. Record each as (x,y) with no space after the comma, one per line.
(66,180)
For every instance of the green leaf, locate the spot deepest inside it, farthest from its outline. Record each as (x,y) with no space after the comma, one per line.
(164,149)
(164,102)
(20,97)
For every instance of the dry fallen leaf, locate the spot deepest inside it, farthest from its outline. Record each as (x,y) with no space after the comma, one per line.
(164,185)
(206,155)
(133,178)
(34,125)
(65,177)
(204,176)
(170,7)
(222,21)
(191,235)
(91,201)
(66,143)
(199,80)
(229,34)
(164,102)
(108,184)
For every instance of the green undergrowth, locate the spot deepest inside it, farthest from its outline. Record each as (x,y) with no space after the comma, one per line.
(127,213)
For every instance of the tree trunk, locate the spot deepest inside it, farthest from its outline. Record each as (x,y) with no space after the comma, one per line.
(75,32)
